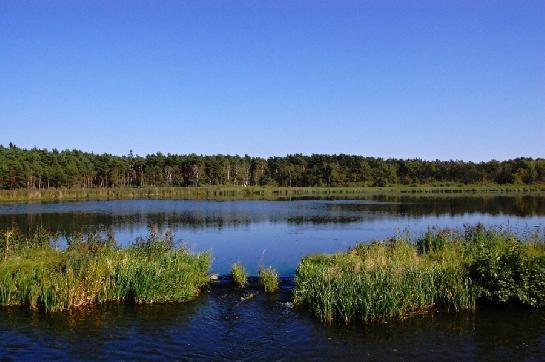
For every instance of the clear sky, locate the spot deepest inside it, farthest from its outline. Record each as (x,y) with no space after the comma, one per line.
(430,79)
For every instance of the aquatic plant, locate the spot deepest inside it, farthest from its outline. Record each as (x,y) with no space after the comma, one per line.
(239,275)
(93,270)
(443,270)
(268,278)
(263,192)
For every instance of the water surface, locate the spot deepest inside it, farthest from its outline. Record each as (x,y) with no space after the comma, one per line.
(218,325)
(222,324)
(277,233)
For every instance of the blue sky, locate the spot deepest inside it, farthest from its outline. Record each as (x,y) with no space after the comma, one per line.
(429,79)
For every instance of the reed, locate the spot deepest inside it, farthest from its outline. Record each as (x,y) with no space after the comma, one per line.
(94,270)
(227,192)
(445,269)
(268,278)
(239,275)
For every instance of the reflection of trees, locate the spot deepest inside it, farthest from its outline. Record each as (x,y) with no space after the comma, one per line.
(203,215)
(521,205)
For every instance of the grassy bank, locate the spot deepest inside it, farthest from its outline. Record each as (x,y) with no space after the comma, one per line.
(251,192)
(94,270)
(445,269)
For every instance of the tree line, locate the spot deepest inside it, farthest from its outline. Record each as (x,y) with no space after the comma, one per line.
(41,168)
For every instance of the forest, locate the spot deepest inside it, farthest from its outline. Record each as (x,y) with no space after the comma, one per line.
(41,168)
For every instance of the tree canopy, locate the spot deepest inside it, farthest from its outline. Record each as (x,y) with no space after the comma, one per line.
(42,168)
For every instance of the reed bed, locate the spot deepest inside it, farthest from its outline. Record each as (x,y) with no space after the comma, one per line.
(92,269)
(229,192)
(450,270)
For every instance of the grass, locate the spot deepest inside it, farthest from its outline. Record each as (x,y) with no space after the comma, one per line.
(268,278)
(252,192)
(239,275)
(94,270)
(445,269)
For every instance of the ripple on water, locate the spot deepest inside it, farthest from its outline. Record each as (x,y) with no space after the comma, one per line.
(219,326)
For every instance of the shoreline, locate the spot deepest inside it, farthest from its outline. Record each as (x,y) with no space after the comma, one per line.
(444,269)
(255,192)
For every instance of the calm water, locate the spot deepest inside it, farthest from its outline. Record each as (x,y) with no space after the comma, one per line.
(278,233)
(220,325)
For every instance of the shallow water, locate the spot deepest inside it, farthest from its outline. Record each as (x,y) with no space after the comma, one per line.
(221,325)
(218,325)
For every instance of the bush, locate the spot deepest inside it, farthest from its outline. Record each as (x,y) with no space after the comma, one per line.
(508,273)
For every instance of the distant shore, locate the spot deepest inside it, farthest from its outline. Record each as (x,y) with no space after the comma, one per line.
(250,192)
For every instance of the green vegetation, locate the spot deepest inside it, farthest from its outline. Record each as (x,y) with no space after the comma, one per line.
(92,269)
(38,169)
(252,192)
(268,278)
(239,275)
(445,269)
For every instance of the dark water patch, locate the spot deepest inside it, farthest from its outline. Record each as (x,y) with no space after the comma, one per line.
(225,324)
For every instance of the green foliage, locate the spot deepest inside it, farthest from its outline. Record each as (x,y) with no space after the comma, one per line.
(93,270)
(380,281)
(444,269)
(434,240)
(239,275)
(37,169)
(268,278)
(219,192)
(506,270)
(12,240)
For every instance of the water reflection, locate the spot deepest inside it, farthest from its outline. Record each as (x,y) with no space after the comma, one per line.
(276,232)
(203,214)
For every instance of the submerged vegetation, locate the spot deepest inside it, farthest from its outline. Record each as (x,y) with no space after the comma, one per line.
(93,269)
(268,278)
(445,269)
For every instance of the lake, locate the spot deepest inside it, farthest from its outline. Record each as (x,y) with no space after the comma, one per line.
(277,233)
(222,324)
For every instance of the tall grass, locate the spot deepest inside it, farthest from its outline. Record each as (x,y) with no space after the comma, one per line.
(268,278)
(220,192)
(239,275)
(94,270)
(444,269)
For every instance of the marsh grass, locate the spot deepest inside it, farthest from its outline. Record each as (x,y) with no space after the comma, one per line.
(239,275)
(268,278)
(94,270)
(445,269)
(227,192)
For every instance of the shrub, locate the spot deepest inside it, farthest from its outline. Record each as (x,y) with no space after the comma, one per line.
(508,272)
